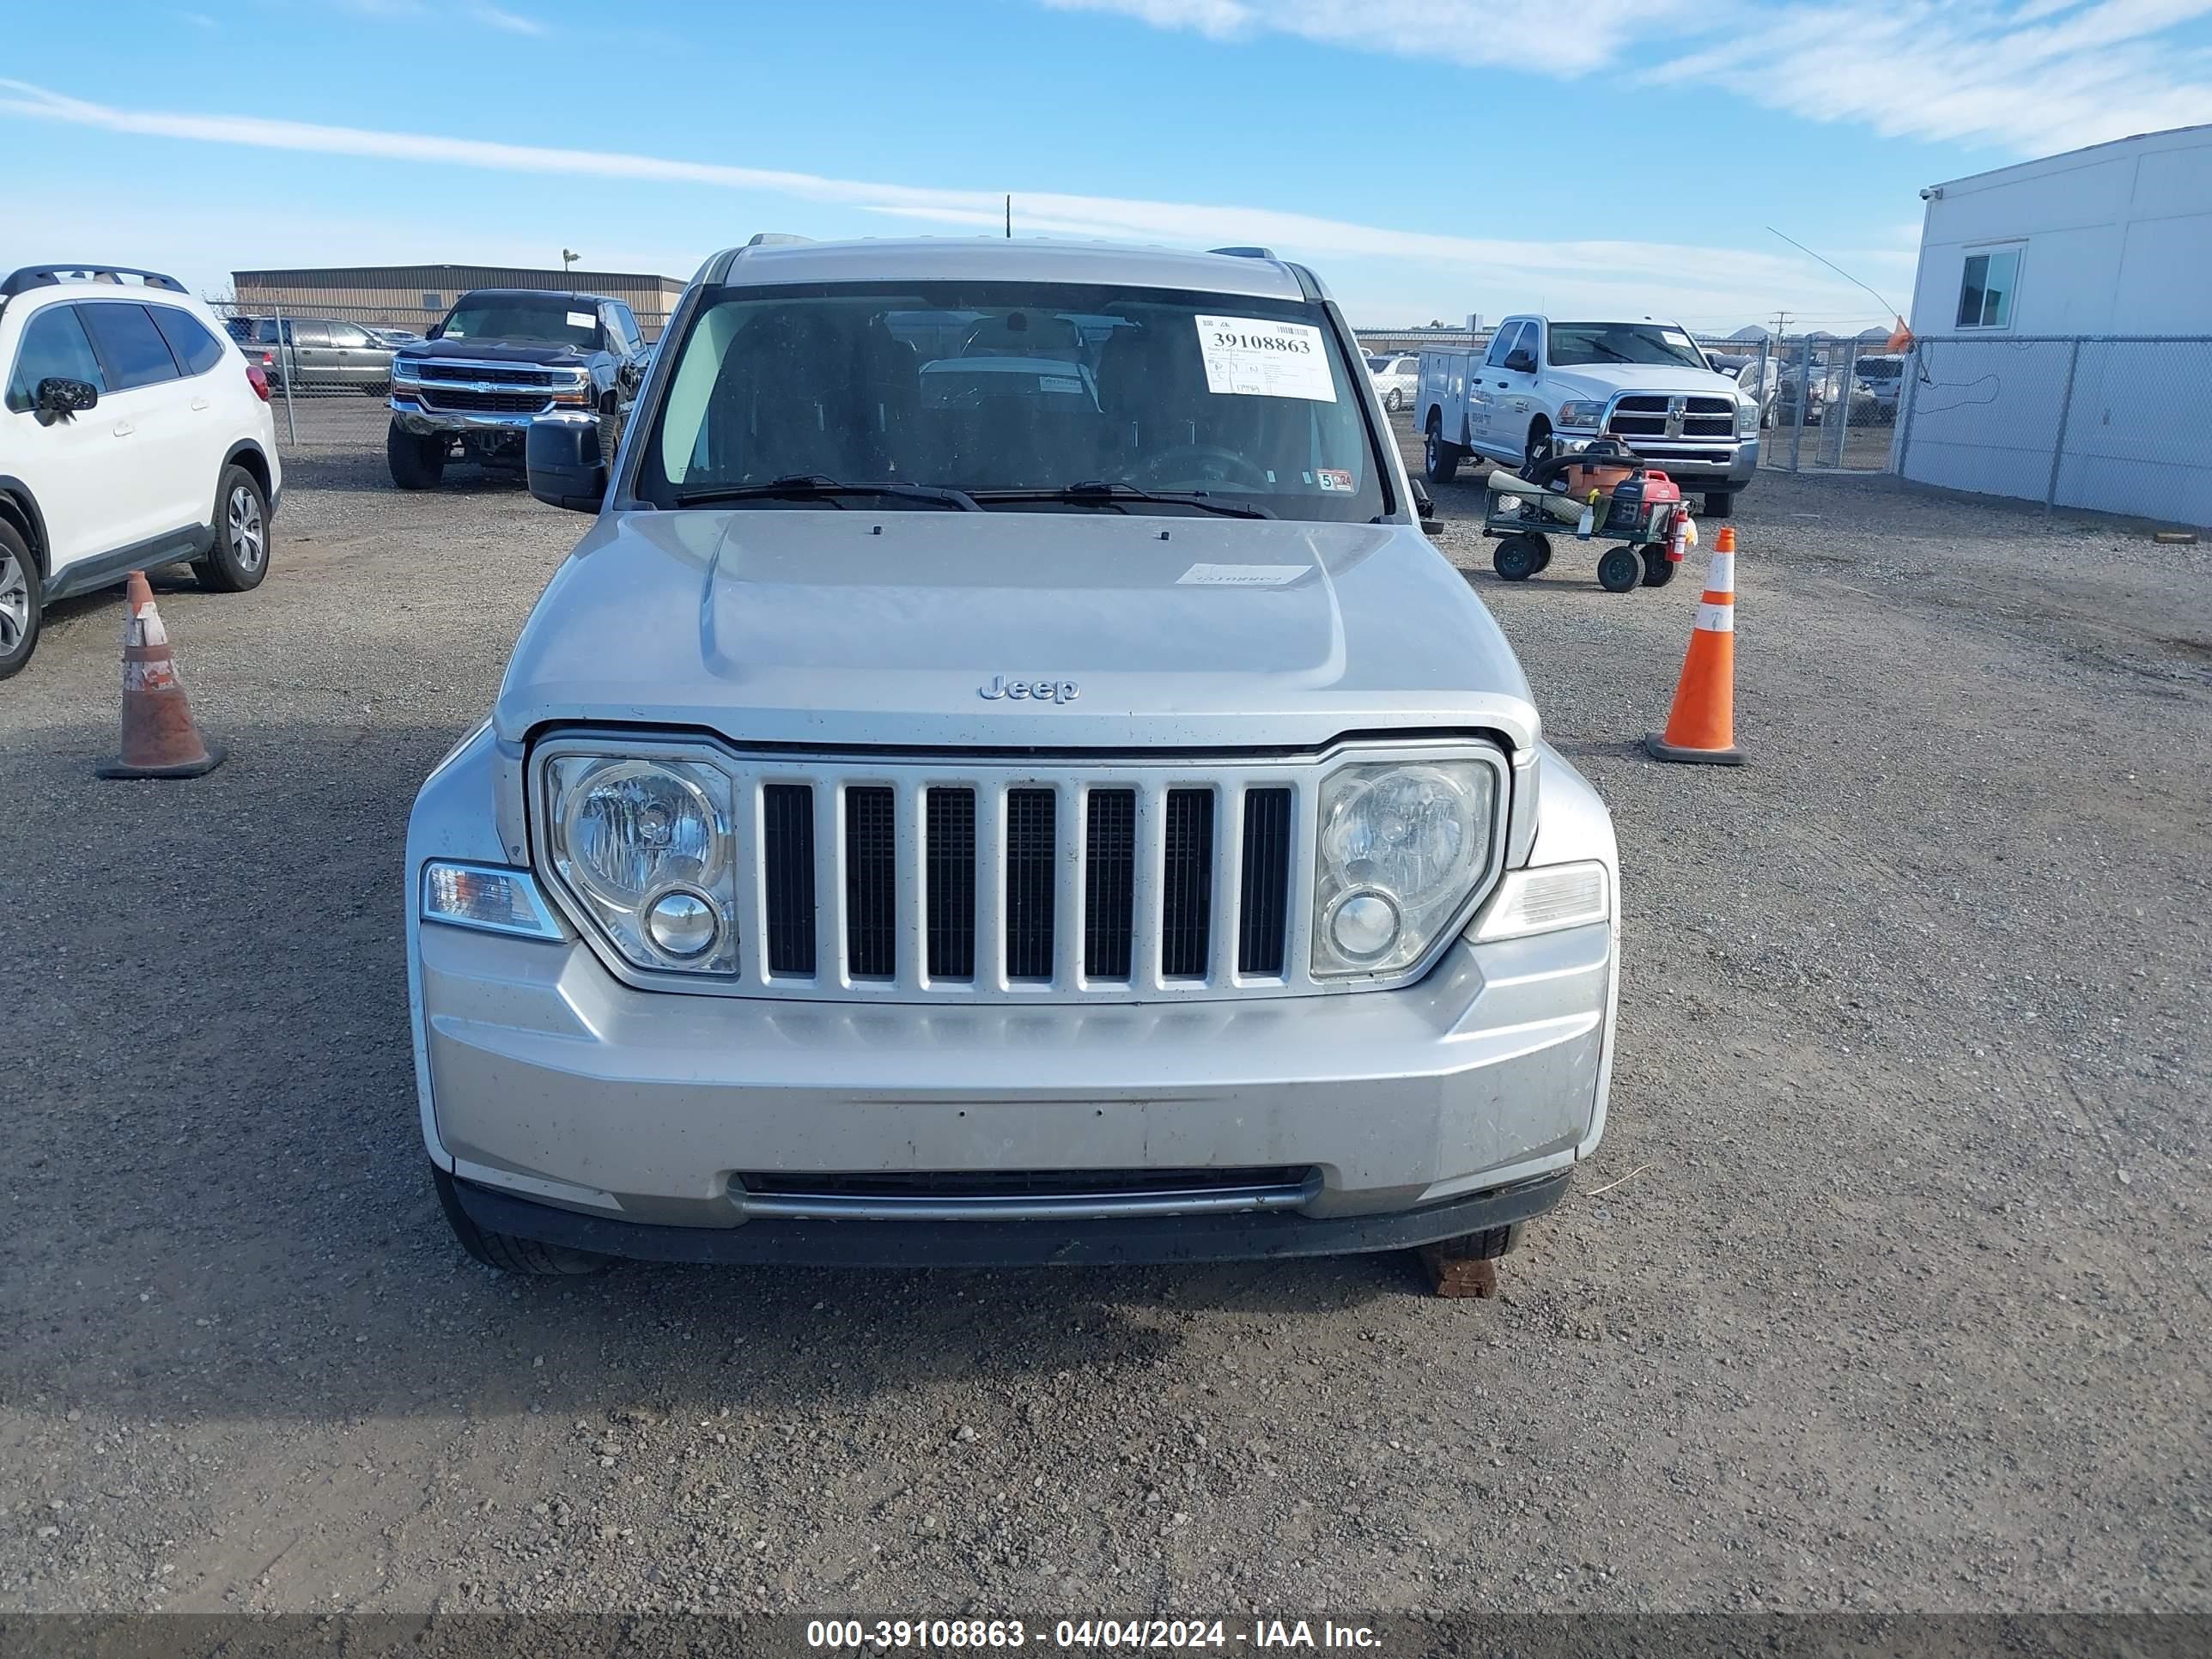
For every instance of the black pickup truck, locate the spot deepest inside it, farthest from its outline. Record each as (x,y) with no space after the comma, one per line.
(501,358)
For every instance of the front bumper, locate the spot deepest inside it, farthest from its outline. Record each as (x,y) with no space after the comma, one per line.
(550,1079)
(1694,467)
(1094,1241)
(412,417)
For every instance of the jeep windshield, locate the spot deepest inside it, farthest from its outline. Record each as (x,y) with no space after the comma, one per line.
(1036,397)
(554,321)
(1580,345)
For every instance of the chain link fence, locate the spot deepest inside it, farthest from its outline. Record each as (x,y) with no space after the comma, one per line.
(2113,423)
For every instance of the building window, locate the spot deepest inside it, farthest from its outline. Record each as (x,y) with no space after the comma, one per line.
(1986,288)
(434,302)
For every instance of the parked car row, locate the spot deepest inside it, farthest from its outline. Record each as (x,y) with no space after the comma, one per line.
(135,433)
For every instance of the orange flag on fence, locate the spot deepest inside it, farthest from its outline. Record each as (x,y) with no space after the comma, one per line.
(1902,339)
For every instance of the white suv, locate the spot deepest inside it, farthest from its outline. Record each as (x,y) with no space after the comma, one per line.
(133,434)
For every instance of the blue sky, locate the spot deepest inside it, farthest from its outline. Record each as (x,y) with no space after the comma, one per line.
(1429,157)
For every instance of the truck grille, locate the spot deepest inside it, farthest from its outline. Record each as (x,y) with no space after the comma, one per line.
(491,375)
(990,879)
(1655,415)
(461,400)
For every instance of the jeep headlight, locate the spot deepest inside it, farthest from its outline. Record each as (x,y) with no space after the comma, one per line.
(1747,417)
(1400,847)
(648,848)
(1576,413)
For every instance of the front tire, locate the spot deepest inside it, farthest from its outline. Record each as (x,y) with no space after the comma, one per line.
(22,602)
(1516,558)
(1658,568)
(239,558)
(1439,459)
(416,463)
(1719,505)
(531,1258)
(1619,569)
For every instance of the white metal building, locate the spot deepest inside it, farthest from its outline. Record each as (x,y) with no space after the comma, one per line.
(2115,239)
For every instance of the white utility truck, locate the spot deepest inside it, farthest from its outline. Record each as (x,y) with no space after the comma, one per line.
(1543,388)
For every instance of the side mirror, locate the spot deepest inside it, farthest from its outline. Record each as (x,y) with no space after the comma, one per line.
(1522,361)
(566,466)
(437,331)
(58,397)
(1425,509)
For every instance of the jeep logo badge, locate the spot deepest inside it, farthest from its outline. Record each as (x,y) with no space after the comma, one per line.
(1034,690)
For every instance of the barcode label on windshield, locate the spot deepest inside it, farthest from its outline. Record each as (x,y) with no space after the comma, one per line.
(1254,358)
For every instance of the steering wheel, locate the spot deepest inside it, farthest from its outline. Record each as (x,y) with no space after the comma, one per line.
(1200,463)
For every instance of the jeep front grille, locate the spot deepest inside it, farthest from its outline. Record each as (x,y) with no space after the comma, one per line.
(998,879)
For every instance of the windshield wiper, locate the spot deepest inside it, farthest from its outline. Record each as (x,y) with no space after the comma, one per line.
(810,486)
(1096,492)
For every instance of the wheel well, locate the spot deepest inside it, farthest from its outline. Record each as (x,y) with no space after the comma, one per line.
(251,457)
(1434,419)
(17,513)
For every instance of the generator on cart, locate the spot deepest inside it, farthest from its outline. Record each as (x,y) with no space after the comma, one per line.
(1602,494)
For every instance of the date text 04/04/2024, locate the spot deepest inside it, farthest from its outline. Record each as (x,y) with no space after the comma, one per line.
(898,1635)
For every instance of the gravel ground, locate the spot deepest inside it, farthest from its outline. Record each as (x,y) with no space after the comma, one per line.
(1878,1296)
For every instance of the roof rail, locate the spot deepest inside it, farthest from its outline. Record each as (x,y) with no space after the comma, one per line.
(773,238)
(1245,253)
(31,276)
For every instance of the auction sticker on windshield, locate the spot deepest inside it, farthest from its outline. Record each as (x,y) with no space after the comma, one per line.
(580,319)
(1255,357)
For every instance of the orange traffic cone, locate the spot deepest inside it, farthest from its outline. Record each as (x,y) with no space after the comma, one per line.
(1702,726)
(159,738)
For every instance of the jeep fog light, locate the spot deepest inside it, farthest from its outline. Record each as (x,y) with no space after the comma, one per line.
(1545,900)
(483,895)
(1399,848)
(682,924)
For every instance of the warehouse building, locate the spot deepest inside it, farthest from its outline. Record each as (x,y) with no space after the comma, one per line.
(414,296)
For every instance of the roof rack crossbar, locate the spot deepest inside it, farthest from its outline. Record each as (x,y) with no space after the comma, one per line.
(31,276)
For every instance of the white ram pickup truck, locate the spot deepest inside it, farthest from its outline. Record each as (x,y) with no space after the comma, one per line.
(1544,388)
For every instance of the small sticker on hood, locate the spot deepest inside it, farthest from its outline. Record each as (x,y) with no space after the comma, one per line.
(1241,576)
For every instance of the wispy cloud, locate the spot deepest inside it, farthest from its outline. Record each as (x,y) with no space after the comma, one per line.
(1473,31)
(1703,281)
(198,20)
(498,18)
(2034,77)
(479,11)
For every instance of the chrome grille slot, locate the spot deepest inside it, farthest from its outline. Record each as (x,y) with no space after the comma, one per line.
(787,876)
(1110,882)
(1029,861)
(1186,884)
(952,879)
(871,883)
(1264,904)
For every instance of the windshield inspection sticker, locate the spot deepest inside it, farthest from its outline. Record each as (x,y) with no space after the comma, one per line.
(581,320)
(1253,357)
(1334,479)
(1241,576)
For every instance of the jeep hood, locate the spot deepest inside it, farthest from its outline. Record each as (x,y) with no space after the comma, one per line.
(842,627)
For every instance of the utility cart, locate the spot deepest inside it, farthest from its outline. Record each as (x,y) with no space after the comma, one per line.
(1602,494)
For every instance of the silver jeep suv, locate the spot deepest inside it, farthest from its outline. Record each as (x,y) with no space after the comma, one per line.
(1004,779)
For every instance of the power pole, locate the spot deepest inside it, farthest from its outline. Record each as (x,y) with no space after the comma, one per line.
(1781,323)
(1010,216)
